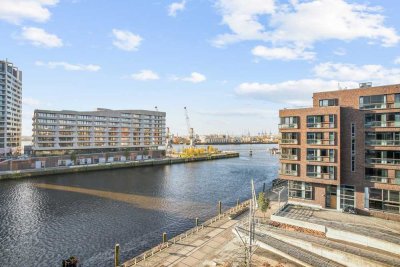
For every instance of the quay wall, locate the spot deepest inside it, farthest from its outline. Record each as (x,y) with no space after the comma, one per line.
(109,166)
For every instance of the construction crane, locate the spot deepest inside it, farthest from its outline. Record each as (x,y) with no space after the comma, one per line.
(192,140)
(168,143)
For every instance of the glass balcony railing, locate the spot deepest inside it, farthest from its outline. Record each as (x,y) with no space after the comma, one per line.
(318,125)
(382,142)
(382,179)
(374,106)
(383,161)
(289,157)
(288,126)
(289,141)
(320,175)
(373,124)
(321,158)
(321,142)
(289,172)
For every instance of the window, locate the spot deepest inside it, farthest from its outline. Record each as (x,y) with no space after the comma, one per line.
(328,102)
(385,200)
(397,100)
(373,102)
(299,189)
(289,122)
(346,196)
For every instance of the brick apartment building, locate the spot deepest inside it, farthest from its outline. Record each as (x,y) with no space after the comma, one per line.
(344,150)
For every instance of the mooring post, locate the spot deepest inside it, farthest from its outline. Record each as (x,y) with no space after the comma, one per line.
(237,202)
(197,222)
(264,187)
(220,207)
(164,237)
(116,255)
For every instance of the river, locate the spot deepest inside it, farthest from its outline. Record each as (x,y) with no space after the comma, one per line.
(46,219)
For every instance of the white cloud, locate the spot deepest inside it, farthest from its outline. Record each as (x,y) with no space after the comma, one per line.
(194,77)
(16,11)
(40,37)
(175,7)
(302,23)
(241,16)
(397,60)
(377,74)
(68,66)
(126,40)
(327,76)
(284,53)
(145,75)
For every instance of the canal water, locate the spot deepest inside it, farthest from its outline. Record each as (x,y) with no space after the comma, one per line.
(44,220)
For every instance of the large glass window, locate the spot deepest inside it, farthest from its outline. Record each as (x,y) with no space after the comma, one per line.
(328,102)
(299,189)
(397,100)
(346,196)
(289,122)
(385,200)
(373,102)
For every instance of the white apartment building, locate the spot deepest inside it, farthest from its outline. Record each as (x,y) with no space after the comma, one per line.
(59,132)
(10,108)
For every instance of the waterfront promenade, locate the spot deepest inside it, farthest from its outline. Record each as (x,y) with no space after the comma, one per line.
(108,166)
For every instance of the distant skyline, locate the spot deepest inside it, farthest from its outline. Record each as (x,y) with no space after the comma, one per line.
(233,63)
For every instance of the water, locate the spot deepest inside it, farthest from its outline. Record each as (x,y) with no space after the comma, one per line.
(40,226)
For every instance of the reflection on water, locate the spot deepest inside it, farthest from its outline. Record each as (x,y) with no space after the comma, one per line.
(44,220)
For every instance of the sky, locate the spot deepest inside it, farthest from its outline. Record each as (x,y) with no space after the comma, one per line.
(232,63)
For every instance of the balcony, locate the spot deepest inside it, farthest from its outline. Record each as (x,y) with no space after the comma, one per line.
(323,142)
(320,175)
(319,125)
(383,161)
(374,142)
(373,124)
(382,179)
(288,126)
(321,159)
(374,106)
(289,141)
(289,157)
(289,172)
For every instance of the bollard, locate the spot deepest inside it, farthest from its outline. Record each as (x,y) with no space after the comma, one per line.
(264,187)
(116,255)
(197,222)
(237,202)
(220,207)
(164,237)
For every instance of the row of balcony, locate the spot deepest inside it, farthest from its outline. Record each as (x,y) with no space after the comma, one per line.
(316,142)
(313,171)
(313,122)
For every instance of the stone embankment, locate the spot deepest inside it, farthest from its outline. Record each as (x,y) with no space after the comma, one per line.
(109,166)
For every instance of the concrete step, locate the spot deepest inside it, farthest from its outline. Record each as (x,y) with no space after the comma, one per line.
(291,252)
(348,254)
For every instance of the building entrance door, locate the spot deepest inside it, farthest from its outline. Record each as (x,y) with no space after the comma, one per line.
(331,196)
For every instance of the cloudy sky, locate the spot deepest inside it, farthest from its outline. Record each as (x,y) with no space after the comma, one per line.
(233,63)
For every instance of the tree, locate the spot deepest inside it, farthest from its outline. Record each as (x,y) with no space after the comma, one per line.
(263,203)
(73,157)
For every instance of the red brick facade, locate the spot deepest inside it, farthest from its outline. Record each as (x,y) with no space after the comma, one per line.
(349,139)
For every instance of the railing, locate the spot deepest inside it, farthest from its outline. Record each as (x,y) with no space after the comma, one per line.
(142,257)
(382,142)
(288,126)
(373,124)
(289,172)
(378,179)
(326,142)
(374,106)
(320,175)
(384,161)
(321,125)
(321,158)
(289,141)
(289,157)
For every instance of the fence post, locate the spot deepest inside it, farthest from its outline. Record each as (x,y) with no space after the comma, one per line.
(164,237)
(219,207)
(116,255)
(197,222)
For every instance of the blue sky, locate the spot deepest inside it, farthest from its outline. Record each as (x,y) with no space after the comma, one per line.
(233,63)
